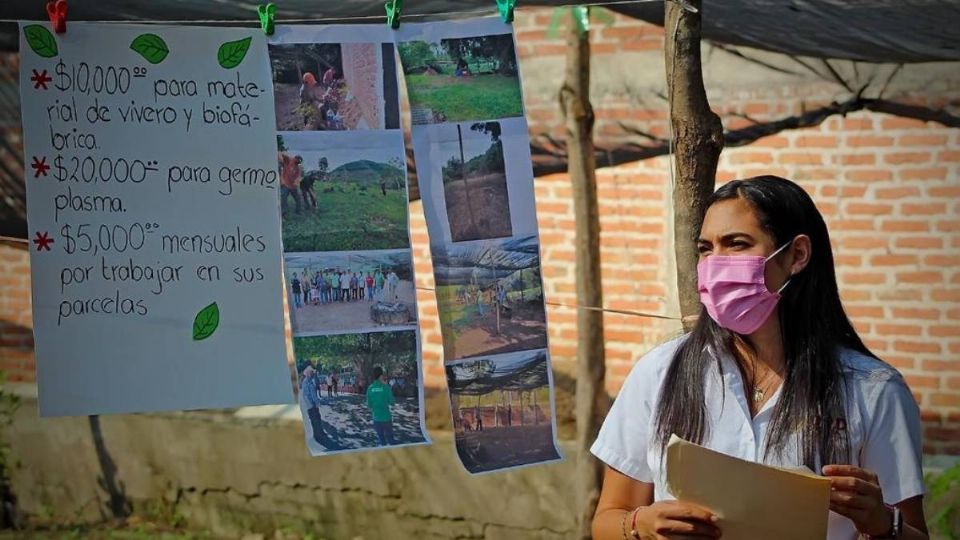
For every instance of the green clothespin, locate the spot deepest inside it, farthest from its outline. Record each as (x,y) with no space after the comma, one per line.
(581,18)
(505,7)
(393,8)
(268,20)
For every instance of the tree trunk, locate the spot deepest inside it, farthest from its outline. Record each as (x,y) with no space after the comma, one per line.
(698,140)
(592,401)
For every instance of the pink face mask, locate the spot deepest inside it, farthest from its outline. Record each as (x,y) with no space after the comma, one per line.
(733,290)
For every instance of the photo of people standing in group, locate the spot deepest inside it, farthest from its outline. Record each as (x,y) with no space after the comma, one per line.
(335,87)
(345,192)
(502,411)
(359,390)
(352,291)
(490,297)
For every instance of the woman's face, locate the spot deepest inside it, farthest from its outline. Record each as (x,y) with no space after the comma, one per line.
(730,227)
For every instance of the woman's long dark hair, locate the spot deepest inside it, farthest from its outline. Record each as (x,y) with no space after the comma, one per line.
(813,327)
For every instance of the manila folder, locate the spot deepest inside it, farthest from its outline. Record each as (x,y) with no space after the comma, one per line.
(751,500)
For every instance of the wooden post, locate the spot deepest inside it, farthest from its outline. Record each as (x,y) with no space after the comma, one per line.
(698,140)
(592,401)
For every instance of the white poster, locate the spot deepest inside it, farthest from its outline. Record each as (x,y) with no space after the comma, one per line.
(152,190)
(346,238)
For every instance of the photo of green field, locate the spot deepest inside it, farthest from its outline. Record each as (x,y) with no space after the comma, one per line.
(463,79)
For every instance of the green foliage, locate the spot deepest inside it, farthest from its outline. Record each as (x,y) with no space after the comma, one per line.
(416,55)
(469,98)
(496,48)
(488,162)
(395,352)
(348,219)
(944,502)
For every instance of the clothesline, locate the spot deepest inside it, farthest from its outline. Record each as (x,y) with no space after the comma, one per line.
(406,16)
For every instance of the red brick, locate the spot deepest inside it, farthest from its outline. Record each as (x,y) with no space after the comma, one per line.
(922,140)
(858,141)
(947,261)
(843,191)
(919,277)
(898,158)
(801,158)
(863,242)
(945,330)
(944,191)
(751,157)
(902,123)
(926,173)
(945,400)
(916,347)
(897,225)
(893,260)
(919,242)
(772,141)
(856,159)
(915,313)
(870,175)
(857,311)
(922,381)
(949,155)
(816,141)
(857,208)
(897,192)
(899,329)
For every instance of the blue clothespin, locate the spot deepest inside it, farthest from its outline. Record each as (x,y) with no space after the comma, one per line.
(505,7)
(268,17)
(393,8)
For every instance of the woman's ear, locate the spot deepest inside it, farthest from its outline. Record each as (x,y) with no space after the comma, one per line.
(802,251)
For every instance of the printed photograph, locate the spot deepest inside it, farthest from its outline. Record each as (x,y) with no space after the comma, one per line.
(359,391)
(502,413)
(335,86)
(462,79)
(475,182)
(346,192)
(490,297)
(350,292)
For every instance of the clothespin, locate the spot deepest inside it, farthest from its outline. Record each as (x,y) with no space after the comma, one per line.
(268,17)
(57,12)
(505,7)
(393,8)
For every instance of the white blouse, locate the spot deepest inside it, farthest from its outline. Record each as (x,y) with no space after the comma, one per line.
(883,423)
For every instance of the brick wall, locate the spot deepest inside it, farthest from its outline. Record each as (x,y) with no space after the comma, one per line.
(362,67)
(16,325)
(888,187)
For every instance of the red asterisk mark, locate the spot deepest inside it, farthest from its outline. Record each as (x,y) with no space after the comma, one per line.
(40,166)
(40,79)
(43,241)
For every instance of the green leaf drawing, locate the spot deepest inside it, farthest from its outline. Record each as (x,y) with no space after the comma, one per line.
(231,53)
(40,40)
(151,47)
(206,322)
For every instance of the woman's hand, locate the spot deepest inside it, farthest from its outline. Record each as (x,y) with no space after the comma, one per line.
(855,493)
(675,520)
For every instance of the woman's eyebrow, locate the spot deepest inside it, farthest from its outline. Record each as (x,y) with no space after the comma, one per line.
(729,237)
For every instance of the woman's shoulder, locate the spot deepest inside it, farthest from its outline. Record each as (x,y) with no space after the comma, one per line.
(871,376)
(862,366)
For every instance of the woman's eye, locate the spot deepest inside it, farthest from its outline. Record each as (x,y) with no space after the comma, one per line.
(703,249)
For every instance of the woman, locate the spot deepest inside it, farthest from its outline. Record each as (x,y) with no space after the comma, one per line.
(772,372)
